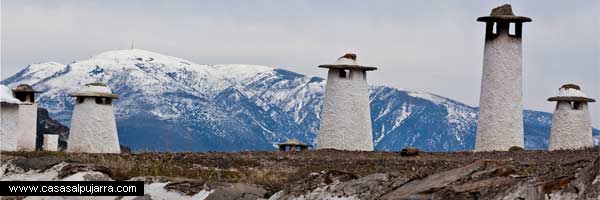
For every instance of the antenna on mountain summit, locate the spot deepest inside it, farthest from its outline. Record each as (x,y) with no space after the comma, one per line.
(131,44)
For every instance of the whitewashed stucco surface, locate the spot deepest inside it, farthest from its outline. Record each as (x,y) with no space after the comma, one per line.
(9,115)
(93,89)
(50,142)
(93,128)
(570,92)
(500,123)
(571,129)
(27,127)
(346,116)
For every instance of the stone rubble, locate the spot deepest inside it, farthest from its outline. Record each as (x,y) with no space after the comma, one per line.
(481,179)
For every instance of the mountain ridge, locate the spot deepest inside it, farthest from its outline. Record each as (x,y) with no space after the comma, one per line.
(171,104)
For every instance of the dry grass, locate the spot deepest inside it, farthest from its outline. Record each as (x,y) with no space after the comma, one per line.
(125,166)
(276,170)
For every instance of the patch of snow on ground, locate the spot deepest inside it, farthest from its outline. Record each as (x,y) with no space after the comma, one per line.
(13,173)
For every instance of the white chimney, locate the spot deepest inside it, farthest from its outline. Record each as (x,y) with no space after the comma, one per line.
(500,123)
(93,126)
(346,115)
(27,127)
(50,142)
(9,118)
(571,122)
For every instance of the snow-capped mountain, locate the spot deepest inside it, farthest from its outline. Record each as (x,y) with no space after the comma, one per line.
(171,104)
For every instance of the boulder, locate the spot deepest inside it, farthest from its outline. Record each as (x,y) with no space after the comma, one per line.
(422,188)
(516,148)
(314,180)
(587,183)
(36,163)
(503,10)
(367,187)
(237,191)
(187,187)
(74,168)
(409,151)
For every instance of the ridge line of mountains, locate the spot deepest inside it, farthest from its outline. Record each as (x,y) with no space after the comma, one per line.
(171,104)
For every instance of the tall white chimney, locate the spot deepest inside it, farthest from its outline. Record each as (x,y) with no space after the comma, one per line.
(500,123)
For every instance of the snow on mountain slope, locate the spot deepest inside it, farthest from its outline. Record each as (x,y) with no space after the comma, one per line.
(38,71)
(171,104)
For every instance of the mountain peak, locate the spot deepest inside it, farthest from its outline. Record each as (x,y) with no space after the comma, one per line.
(137,55)
(171,104)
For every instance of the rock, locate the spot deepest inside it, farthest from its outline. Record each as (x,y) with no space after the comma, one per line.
(523,190)
(151,179)
(409,151)
(326,185)
(505,9)
(237,191)
(556,184)
(483,189)
(315,180)
(367,187)
(421,187)
(399,181)
(483,184)
(36,163)
(145,197)
(96,177)
(71,169)
(88,176)
(516,148)
(186,187)
(587,183)
(349,56)
(6,158)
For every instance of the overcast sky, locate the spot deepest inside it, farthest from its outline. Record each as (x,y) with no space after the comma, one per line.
(434,46)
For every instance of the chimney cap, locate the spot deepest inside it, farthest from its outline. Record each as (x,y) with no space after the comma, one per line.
(503,13)
(94,90)
(25,88)
(295,142)
(571,92)
(348,61)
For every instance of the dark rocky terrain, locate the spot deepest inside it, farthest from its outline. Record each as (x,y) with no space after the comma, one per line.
(327,174)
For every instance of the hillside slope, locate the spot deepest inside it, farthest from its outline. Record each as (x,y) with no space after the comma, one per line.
(171,104)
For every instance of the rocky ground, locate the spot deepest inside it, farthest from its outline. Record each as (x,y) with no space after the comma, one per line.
(327,174)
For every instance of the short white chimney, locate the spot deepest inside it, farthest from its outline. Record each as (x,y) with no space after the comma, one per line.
(346,114)
(50,142)
(27,117)
(571,123)
(93,126)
